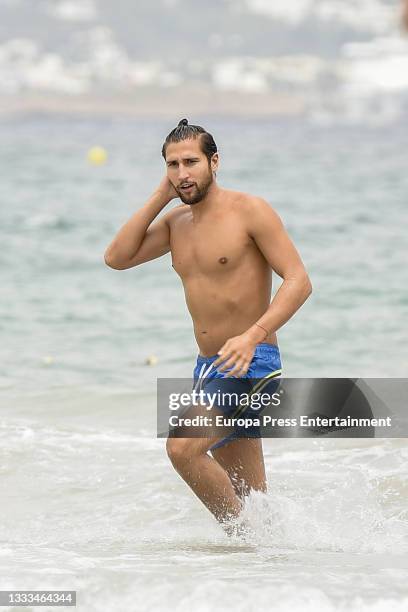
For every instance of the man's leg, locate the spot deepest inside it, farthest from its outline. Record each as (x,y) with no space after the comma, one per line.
(243,461)
(204,475)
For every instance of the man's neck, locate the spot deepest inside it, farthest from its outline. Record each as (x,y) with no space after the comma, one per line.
(207,204)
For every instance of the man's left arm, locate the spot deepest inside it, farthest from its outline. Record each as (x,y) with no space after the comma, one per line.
(268,232)
(272,239)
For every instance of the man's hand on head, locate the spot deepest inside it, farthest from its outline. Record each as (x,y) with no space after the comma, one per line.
(167,189)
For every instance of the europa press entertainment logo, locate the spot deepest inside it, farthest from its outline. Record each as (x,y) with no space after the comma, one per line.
(332,407)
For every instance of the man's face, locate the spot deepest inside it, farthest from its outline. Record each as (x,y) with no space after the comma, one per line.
(188,170)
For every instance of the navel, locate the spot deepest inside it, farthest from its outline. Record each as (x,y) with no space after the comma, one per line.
(223,260)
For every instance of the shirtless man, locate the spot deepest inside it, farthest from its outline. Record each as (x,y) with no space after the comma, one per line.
(224,245)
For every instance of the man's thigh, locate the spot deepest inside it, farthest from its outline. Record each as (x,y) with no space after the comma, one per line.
(243,460)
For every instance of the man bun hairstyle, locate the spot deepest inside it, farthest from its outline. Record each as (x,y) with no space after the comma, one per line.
(184,131)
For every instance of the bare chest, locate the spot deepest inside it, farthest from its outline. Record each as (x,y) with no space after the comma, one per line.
(210,249)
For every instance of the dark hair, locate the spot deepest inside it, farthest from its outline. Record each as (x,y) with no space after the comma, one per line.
(183,131)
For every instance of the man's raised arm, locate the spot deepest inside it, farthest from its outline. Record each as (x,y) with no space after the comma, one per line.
(140,240)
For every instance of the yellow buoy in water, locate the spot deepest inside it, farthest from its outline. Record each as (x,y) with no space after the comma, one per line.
(48,360)
(97,155)
(151,360)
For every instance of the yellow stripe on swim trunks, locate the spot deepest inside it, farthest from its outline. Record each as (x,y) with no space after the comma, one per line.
(257,388)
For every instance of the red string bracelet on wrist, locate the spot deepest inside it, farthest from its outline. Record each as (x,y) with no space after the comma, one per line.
(265,330)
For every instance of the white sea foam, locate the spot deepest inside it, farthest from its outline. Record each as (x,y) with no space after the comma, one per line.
(345,516)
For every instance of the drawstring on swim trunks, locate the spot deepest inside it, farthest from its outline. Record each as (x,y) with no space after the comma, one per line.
(202,375)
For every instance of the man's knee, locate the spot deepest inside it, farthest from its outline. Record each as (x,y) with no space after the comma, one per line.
(183,450)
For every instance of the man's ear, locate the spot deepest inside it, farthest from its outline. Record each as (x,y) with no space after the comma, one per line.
(215,162)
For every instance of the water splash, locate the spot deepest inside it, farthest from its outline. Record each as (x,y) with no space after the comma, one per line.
(345,517)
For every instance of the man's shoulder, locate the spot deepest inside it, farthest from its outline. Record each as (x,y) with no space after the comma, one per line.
(248,202)
(255,213)
(175,213)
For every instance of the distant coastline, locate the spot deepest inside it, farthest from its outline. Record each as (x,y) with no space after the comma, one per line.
(156,102)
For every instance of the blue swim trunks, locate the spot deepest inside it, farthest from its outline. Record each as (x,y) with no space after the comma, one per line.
(265,367)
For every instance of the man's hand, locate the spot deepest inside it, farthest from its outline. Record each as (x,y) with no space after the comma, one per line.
(238,352)
(167,190)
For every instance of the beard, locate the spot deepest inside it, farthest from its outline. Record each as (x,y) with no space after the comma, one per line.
(198,191)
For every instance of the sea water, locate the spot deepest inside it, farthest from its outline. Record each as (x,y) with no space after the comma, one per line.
(89,500)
